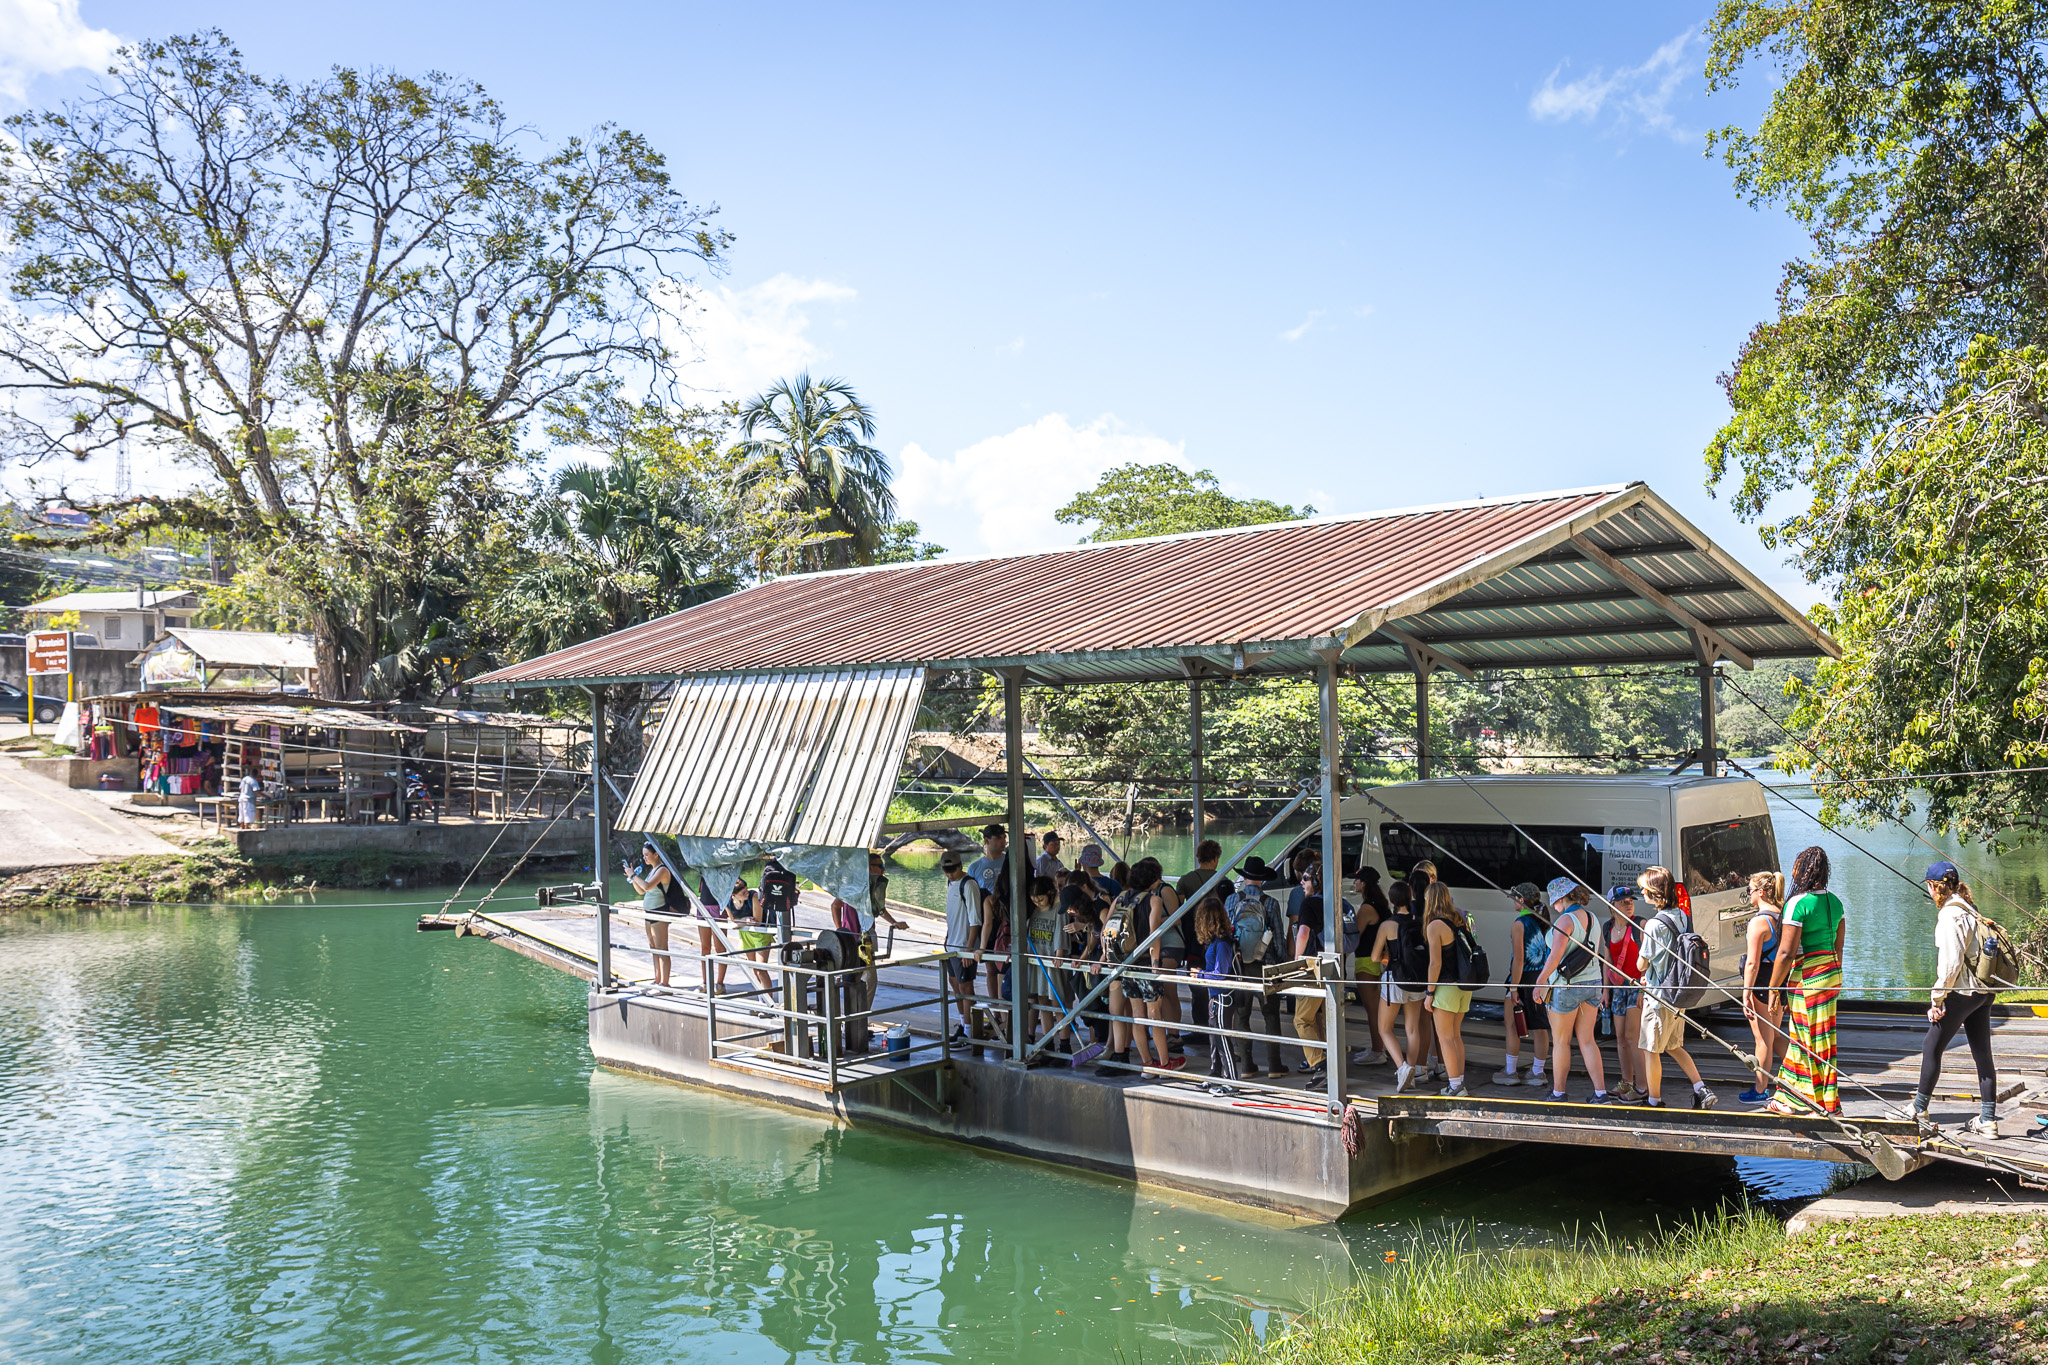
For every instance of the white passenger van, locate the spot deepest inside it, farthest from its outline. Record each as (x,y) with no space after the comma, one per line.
(1711,832)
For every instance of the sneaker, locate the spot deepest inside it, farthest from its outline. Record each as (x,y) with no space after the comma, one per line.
(1628,1093)
(1507,1078)
(1087,1054)
(1608,1098)
(1277,1069)
(1174,1063)
(1754,1096)
(1362,1057)
(1649,1103)
(1402,1077)
(1704,1099)
(1437,1073)
(1455,1092)
(1980,1127)
(1315,1076)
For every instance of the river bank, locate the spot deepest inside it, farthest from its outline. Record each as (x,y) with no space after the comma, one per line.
(1904,1291)
(219,872)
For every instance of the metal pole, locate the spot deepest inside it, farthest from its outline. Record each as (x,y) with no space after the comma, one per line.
(1013,771)
(1709,764)
(1421,724)
(1333,857)
(600,878)
(1195,753)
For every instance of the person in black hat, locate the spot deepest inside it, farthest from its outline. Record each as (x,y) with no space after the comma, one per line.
(1959,1000)
(1251,898)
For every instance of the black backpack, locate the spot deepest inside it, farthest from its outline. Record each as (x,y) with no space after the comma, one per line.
(778,895)
(1469,963)
(1411,953)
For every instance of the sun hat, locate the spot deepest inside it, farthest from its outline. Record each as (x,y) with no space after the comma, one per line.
(1559,888)
(1255,869)
(1091,856)
(1943,871)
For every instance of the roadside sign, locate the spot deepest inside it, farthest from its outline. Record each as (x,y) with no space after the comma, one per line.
(49,651)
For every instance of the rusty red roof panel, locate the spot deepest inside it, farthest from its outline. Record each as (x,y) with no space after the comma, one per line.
(1293,581)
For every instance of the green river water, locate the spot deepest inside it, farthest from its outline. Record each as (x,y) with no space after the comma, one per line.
(303,1132)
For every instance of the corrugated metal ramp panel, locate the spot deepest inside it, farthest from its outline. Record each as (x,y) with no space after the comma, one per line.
(798,758)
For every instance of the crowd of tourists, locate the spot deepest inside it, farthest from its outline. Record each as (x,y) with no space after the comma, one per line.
(1577,980)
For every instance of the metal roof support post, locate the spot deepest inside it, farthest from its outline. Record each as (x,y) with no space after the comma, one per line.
(1195,752)
(1421,722)
(601,882)
(1709,760)
(1333,856)
(1013,773)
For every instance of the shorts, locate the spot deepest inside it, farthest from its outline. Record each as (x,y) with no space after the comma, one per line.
(963,969)
(1663,1027)
(1625,998)
(1450,999)
(1395,994)
(753,940)
(1525,996)
(1145,992)
(1566,999)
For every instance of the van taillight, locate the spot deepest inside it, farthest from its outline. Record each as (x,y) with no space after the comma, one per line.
(1684,900)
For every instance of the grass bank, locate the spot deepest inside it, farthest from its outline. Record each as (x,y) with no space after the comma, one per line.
(1902,1291)
(211,874)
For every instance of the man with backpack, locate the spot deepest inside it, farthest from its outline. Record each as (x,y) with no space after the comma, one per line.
(1259,923)
(1676,975)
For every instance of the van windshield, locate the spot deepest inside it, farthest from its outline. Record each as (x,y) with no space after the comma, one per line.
(1495,853)
(1720,856)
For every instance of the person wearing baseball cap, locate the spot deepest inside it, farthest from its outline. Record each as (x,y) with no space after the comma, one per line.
(963,934)
(1959,1001)
(995,842)
(1569,987)
(1048,863)
(1528,946)
(1624,980)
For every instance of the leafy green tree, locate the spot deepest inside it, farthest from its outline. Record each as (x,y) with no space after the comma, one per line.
(1898,390)
(809,439)
(1135,500)
(900,544)
(338,303)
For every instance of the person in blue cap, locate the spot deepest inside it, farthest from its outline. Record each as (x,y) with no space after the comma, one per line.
(1958,1001)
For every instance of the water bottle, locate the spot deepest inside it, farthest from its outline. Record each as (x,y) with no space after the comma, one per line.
(1606,1021)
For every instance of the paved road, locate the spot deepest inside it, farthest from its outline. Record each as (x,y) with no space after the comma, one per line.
(45,824)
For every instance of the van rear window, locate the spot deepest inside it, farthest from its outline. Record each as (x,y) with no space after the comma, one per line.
(1494,853)
(1720,856)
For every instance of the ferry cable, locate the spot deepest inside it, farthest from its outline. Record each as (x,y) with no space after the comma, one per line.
(595,872)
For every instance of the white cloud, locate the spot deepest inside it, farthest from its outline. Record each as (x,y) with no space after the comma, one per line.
(998,496)
(746,339)
(1640,94)
(43,38)
(1297,333)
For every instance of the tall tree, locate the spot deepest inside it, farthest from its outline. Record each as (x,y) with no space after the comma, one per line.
(812,435)
(1899,391)
(1161,499)
(338,302)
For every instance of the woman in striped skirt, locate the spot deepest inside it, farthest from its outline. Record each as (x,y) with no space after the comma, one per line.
(1810,948)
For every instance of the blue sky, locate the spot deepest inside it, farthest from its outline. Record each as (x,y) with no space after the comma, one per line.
(1362,257)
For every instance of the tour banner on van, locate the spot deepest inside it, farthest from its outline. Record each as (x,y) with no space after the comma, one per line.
(1625,854)
(49,651)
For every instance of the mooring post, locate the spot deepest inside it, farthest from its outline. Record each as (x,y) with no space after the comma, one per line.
(600,846)
(1020,875)
(1333,855)
(1195,752)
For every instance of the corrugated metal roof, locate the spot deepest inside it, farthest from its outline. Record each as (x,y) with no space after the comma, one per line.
(243,717)
(115,600)
(783,757)
(1502,575)
(243,648)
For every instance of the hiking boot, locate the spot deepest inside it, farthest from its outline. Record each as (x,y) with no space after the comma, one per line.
(1508,1078)
(1628,1093)
(1704,1099)
(1980,1127)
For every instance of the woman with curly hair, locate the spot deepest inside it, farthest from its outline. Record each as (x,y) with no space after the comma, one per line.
(1810,949)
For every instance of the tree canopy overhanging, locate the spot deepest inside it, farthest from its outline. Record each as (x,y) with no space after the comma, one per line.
(1895,401)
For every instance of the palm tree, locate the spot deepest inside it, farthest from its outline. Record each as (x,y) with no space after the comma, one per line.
(811,436)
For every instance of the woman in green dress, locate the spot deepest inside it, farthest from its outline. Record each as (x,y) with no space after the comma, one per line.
(1810,948)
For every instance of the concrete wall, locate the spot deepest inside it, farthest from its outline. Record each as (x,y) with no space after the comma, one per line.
(98,671)
(1275,1160)
(84,772)
(423,839)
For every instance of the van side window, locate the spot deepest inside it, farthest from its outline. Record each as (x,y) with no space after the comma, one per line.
(1496,853)
(1720,856)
